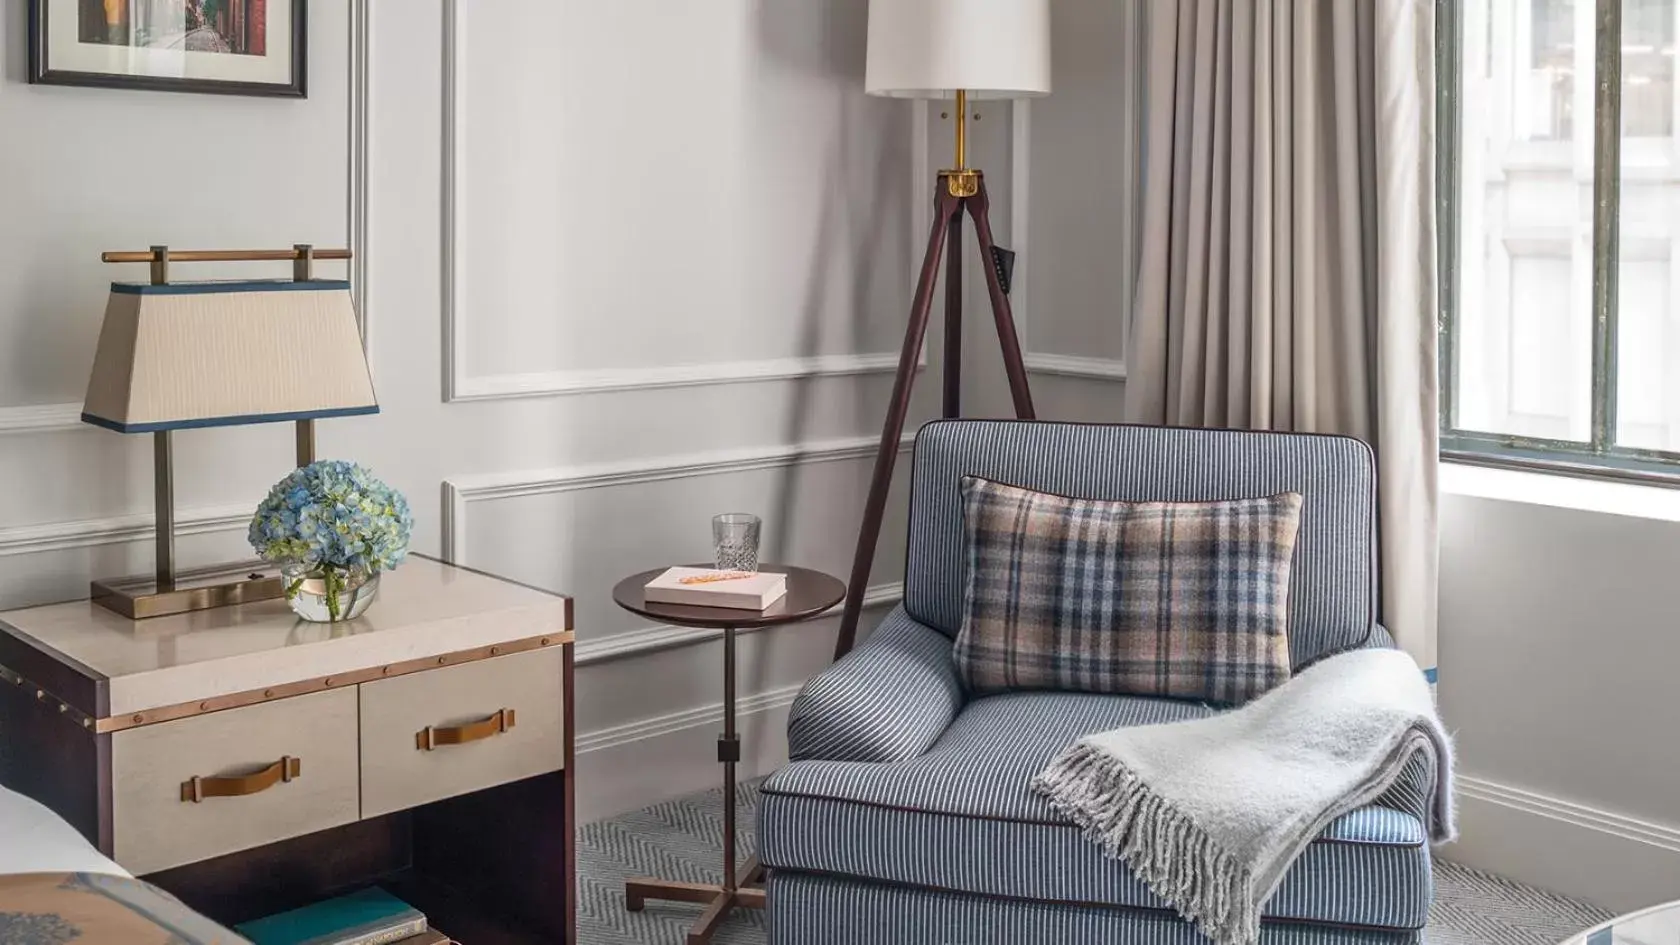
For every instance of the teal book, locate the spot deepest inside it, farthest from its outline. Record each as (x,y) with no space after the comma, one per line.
(370,917)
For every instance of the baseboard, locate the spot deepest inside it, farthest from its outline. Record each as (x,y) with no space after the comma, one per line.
(1616,861)
(630,766)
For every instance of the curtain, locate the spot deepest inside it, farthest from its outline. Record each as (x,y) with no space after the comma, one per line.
(1287,279)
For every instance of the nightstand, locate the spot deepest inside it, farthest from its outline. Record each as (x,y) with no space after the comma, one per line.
(250,762)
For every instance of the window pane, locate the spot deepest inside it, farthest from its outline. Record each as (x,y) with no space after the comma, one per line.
(1548,97)
(1524,327)
(1648,68)
(1648,369)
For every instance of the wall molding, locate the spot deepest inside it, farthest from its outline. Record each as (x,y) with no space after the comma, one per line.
(706,716)
(358,159)
(460,491)
(1617,861)
(613,762)
(659,637)
(1020,228)
(1662,836)
(118,529)
(1067,365)
(41,418)
(459,386)
(664,377)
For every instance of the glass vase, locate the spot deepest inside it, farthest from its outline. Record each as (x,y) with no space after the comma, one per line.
(329,595)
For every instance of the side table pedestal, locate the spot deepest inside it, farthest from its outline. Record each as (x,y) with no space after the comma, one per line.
(809,594)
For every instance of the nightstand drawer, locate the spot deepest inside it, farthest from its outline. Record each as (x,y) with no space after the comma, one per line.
(189,790)
(443,732)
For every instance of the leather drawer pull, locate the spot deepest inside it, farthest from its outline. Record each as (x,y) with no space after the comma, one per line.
(429,738)
(197,789)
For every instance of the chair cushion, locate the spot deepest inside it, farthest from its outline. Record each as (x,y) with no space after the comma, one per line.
(1332,583)
(807,909)
(962,817)
(1182,599)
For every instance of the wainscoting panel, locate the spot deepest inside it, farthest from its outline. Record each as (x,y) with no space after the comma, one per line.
(582,528)
(591,258)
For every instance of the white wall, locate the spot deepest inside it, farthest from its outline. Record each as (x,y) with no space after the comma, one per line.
(1559,655)
(1062,171)
(624,266)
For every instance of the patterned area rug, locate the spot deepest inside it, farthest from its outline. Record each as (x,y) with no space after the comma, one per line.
(683,840)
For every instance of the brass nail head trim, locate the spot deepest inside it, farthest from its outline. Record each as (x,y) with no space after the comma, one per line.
(167,713)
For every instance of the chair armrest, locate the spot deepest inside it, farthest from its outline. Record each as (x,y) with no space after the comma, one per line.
(887,700)
(1380,639)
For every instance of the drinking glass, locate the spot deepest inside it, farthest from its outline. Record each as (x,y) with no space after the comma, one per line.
(735,539)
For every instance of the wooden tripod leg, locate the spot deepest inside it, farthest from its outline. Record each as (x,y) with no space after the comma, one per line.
(953,318)
(947,209)
(979,207)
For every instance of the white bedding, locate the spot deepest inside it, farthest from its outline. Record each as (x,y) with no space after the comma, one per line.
(33,839)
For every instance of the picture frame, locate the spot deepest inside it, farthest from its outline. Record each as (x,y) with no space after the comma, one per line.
(224,47)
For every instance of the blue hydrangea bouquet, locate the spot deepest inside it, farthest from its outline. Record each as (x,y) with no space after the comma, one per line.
(333,528)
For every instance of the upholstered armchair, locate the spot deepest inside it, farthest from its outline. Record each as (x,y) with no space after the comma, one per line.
(906,816)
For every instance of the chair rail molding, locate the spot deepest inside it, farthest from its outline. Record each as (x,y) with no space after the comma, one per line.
(118,529)
(460,491)
(459,386)
(41,418)
(1067,365)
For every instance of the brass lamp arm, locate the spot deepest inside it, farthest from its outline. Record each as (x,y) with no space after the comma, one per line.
(962,181)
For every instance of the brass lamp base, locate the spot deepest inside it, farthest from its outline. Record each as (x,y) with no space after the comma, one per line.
(140,597)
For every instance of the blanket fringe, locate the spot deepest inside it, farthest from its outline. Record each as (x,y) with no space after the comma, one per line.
(1174,857)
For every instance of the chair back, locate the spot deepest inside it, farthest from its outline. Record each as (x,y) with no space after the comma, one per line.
(1333,577)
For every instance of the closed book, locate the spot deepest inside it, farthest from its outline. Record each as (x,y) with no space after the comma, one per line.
(428,937)
(705,587)
(369,917)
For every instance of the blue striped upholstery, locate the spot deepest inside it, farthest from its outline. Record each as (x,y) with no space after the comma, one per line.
(887,700)
(903,821)
(906,816)
(1333,584)
(808,909)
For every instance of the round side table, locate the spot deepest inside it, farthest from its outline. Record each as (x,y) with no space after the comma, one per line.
(809,593)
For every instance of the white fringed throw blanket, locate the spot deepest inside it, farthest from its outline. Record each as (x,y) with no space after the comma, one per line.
(1210,813)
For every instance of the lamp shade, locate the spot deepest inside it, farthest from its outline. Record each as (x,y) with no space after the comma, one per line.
(932,48)
(205,354)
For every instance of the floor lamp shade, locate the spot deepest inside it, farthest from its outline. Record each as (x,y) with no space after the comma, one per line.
(205,354)
(933,48)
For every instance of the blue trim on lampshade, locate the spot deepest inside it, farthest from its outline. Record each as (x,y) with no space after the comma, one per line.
(228,421)
(230,286)
(1431,674)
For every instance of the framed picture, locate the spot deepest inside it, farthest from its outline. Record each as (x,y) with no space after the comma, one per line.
(235,47)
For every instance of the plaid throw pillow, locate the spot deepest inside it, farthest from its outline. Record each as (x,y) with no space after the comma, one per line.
(1181,599)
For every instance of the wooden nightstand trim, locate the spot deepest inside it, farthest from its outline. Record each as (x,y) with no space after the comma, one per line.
(70,682)
(170,713)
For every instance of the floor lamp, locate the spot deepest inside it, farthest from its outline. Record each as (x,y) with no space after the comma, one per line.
(942,49)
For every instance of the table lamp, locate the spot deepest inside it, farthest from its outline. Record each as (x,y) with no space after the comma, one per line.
(182,355)
(944,49)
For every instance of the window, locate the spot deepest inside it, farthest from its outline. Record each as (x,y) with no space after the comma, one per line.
(1560,336)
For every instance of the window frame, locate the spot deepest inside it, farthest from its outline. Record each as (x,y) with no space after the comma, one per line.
(1601,456)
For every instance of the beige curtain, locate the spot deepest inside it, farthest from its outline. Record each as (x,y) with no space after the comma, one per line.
(1287,279)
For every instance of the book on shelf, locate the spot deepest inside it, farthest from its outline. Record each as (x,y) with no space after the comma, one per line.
(369,917)
(709,587)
